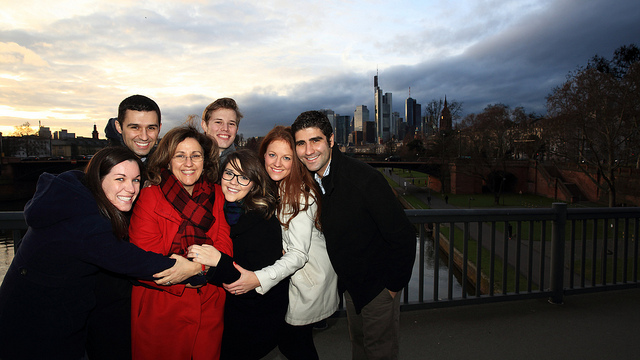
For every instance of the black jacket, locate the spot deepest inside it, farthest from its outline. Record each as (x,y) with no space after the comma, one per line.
(257,243)
(370,240)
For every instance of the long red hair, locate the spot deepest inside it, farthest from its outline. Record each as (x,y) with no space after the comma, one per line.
(299,184)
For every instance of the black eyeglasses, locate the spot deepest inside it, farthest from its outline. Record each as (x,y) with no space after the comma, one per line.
(228,175)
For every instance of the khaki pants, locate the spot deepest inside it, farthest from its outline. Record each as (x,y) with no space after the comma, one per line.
(375,331)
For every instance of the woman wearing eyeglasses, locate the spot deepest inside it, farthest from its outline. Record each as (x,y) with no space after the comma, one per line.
(305,265)
(182,207)
(250,205)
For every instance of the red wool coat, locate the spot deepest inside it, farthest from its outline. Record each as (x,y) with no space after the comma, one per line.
(175,322)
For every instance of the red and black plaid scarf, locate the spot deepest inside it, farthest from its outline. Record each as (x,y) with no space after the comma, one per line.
(195,211)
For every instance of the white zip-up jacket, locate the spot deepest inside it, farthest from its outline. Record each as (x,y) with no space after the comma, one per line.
(313,287)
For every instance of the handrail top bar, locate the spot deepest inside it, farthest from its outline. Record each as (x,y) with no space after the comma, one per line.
(516,214)
(15,219)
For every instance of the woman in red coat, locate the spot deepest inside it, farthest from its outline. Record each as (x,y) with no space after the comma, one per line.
(183,207)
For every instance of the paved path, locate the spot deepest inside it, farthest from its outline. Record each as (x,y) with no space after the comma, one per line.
(594,326)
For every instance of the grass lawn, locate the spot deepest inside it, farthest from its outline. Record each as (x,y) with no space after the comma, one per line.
(588,273)
(498,265)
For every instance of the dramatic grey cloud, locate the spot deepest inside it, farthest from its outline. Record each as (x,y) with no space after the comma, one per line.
(69,67)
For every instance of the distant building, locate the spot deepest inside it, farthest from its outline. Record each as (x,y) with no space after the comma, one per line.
(332,117)
(356,138)
(382,112)
(44,132)
(445,117)
(26,146)
(43,146)
(94,134)
(63,134)
(341,130)
(77,146)
(409,108)
(360,116)
(395,124)
(369,132)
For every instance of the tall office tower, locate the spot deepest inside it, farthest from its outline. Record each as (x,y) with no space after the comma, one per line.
(342,129)
(360,116)
(395,120)
(369,132)
(417,116)
(383,112)
(409,108)
(332,117)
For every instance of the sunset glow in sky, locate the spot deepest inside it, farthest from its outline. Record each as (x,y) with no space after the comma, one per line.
(68,66)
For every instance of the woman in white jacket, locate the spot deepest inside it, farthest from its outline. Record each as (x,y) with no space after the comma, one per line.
(313,290)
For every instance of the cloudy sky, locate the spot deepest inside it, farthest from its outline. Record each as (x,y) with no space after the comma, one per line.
(68,64)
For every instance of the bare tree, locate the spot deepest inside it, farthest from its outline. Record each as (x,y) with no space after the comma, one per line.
(433,111)
(593,118)
(24,130)
(491,135)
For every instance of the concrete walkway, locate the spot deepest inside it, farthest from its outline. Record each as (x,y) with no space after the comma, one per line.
(588,326)
(598,326)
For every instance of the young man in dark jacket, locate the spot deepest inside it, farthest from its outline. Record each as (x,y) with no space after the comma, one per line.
(137,126)
(370,241)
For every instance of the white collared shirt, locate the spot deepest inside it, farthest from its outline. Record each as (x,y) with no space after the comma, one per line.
(319,178)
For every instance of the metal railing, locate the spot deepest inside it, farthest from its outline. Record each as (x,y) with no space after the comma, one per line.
(503,255)
(526,253)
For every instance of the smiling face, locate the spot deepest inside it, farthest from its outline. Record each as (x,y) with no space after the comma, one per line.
(222,127)
(187,163)
(140,130)
(278,160)
(234,191)
(122,185)
(314,149)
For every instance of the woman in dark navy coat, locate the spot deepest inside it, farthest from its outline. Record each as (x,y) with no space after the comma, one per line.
(250,205)
(76,222)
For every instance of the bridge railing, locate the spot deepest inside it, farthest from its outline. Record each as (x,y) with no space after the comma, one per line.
(472,256)
(510,254)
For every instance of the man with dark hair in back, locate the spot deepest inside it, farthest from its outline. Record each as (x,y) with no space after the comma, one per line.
(370,241)
(137,125)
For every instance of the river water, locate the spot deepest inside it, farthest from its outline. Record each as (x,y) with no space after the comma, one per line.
(6,252)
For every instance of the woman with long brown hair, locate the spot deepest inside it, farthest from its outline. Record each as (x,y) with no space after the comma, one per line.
(313,293)
(77,223)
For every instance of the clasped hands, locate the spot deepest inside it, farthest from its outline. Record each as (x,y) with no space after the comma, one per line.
(210,256)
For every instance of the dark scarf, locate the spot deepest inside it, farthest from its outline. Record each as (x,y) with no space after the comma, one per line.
(195,210)
(233,211)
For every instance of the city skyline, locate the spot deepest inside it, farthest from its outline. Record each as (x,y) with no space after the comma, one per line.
(69,67)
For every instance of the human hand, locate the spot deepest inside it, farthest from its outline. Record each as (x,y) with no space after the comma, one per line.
(247,282)
(393,294)
(179,272)
(204,254)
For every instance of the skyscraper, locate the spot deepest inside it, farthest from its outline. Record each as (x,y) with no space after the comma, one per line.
(409,106)
(383,112)
(342,129)
(332,117)
(360,117)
